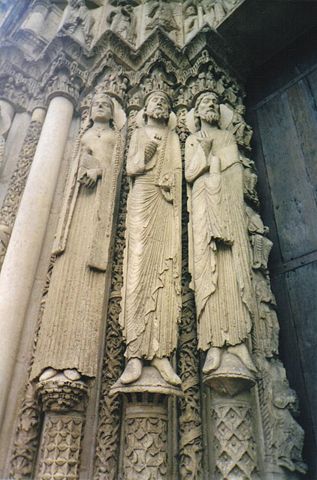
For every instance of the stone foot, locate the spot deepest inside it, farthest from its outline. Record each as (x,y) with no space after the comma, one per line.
(213,360)
(132,371)
(47,374)
(71,374)
(166,370)
(241,351)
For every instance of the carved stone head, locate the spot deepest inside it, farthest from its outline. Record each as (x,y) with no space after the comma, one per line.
(102,108)
(157,106)
(207,108)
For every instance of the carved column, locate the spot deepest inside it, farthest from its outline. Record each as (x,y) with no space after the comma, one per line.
(234,454)
(63,403)
(145,437)
(18,180)
(144,450)
(28,234)
(110,408)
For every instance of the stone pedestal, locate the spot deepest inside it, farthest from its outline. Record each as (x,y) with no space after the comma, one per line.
(145,452)
(145,437)
(63,402)
(234,454)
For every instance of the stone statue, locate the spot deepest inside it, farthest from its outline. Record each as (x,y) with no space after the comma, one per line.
(213,11)
(151,296)
(287,435)
(122,20)
(69,337)
(220,261)
(162,15)
(190,18)
(78,20)
(238,126)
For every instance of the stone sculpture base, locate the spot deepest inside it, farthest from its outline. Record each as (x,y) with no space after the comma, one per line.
(145,452)
(231,377)
(145,438)
(150,381)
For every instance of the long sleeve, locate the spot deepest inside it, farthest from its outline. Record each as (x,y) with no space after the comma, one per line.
(136,160)
(195,160)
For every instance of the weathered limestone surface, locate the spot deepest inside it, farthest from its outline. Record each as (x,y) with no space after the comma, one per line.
(27,236)
(200,375)
(75,302)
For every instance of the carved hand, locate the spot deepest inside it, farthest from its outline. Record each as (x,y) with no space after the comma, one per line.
(150,149)
(89,177)
(206,144)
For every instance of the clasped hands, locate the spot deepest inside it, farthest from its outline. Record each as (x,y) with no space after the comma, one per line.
(89,177)
(89,172)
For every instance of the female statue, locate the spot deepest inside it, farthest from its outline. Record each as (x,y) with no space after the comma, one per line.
(71,328)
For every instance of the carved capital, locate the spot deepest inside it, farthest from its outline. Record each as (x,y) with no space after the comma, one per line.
(65,77)
(62,395)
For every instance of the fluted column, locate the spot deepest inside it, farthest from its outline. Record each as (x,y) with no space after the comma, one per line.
(21,260)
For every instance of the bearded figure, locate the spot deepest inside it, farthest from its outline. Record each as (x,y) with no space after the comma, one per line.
(72,324)
(220,260)
(151,296)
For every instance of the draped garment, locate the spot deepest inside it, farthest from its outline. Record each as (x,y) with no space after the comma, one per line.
(219,249)
(151,295)
(71,329)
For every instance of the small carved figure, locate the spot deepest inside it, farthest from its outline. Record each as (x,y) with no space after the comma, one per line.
(122,20)
(213,11)
(220,260)
(288,435)
(151,296)
(268,327)
(261,245)
(190,18)
(78,20)
(69,337)
(250,181)
(227,89)
(240,129)
(162,15)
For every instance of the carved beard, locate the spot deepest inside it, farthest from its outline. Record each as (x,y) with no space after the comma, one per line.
(211,116)
(159,114)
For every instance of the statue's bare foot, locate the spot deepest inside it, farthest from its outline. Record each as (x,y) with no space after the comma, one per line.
(132,371)
(47,374)
(212,361)
(166,370)
(72,374)
(241,351)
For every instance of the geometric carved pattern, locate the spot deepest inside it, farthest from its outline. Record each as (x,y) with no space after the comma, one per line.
(235,448)
(59,456)
(145,449)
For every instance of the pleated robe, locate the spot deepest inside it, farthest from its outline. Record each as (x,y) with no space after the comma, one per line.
(72,323)
(151,294)
(219,249)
